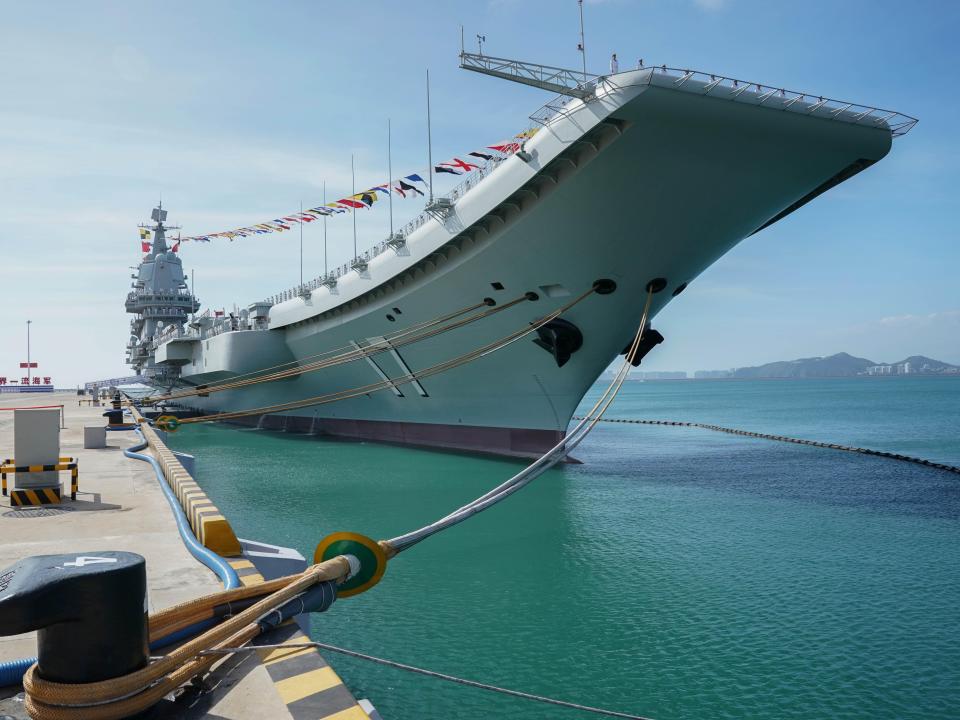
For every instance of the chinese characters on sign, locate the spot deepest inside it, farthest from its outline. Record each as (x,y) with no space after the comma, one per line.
(45,381)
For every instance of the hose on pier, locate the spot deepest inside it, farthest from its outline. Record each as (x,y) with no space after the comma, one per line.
(797,441)
(12,671)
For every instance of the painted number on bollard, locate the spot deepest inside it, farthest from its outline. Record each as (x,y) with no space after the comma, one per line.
(84,560)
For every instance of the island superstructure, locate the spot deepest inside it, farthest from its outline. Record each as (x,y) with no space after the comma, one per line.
(639,178)
(160,301)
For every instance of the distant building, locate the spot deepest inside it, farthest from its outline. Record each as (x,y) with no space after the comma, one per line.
(905,368)
(712,374)
(660,375)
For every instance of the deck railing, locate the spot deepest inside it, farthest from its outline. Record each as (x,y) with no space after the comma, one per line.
(739,90)
(331,277)
(709,84)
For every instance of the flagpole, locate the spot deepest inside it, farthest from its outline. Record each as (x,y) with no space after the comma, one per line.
(28,351)
(353,191)
(583,47)
(301,242)
(324,228)
(429,140)
(390,176)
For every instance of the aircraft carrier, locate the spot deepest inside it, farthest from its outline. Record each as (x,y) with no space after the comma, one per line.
(637,180)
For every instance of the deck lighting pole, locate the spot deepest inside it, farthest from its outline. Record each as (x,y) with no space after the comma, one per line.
(353,191)
(390,176)
(429,140)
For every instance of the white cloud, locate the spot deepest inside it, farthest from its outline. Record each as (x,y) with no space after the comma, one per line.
(946,319)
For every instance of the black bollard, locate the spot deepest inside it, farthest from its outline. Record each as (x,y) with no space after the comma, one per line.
(89,611)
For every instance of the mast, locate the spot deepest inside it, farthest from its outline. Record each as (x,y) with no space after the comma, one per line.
(582,47)
(301,242)
(429,140)
(353,191)
(390,176)
(324,228)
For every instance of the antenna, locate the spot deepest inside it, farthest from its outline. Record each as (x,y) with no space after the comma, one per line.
(301,242)
(582,46)
(353,191)
(481,39)
(324,228)
(429,140)
(390,176)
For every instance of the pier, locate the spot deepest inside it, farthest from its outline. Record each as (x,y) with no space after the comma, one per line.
(120,506)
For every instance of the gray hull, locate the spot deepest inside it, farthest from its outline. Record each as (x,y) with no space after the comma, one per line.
(648,181)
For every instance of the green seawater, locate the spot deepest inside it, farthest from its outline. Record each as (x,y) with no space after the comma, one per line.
(677,573)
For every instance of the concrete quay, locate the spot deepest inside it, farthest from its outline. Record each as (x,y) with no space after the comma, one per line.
(120,506)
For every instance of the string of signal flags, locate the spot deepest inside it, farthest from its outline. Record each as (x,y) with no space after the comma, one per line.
(406,186)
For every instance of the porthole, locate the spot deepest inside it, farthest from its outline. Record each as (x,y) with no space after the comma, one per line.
(496,285)
(391,318)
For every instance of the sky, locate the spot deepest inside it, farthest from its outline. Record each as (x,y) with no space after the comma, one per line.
(236,112)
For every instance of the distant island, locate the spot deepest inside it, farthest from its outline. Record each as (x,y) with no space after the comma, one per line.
(839,365)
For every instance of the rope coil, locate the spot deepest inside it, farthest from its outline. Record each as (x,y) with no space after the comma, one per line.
(123,696)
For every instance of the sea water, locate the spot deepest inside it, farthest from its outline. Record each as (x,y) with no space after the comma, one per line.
(676,573)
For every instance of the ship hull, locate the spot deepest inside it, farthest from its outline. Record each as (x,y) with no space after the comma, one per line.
(654,183)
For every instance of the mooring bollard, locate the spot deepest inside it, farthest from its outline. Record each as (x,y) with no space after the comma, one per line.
(89,611)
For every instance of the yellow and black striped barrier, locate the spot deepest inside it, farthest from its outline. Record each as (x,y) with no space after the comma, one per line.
(209,525)
(35,496)
(39,496)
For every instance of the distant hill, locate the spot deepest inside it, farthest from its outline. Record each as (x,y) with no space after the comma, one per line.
(921,363)
(839,365)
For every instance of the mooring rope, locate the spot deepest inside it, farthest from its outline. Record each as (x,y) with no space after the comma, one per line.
(347,353)
(785,438)
(130,694)
(123,696)
(402,379)
(430,673)
(554,455)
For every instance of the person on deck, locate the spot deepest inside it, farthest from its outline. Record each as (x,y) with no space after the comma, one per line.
(614,65)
